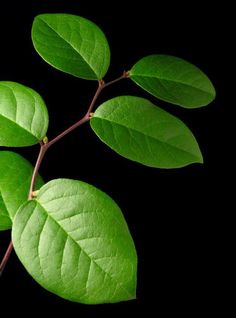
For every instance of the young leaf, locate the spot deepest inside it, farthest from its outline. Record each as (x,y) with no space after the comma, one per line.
(71,44)
(140,131)
(173,80)
(15,177)
(23,115)
(74,241)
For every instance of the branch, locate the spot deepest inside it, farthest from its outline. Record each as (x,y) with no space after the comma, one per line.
(5,258)
(45,145)
(41,154)
(124,75)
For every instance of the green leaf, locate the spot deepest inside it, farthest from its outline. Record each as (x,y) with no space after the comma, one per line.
(71,44)
(140,131)
(15,177)
(173,80)
(74,241)
(23,115)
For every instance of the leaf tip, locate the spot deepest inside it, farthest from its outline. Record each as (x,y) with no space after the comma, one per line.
(199,158)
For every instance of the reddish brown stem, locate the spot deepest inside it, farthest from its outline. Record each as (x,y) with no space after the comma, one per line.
(41,154)
(124,75)
(5,258)
(45,145)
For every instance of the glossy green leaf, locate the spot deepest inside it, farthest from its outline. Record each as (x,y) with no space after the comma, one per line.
(15,177)
(143,132)
(71,44)
(173,80)
(74,241)
(23,115)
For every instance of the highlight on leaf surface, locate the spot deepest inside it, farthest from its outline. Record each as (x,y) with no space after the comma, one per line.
(143,132)
(71,44)
(23,115)
(173,80)
(15,177)
(81,248)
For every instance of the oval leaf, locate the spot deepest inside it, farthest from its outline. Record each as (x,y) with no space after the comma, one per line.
(74,241)
(23,115)
(140,131)
(71,44)
(173,80)
(15,177)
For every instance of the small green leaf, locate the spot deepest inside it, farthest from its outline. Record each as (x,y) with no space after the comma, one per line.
(23,115)
(173,80)
(74,241)
(15,177)
(71,44)
(140,131)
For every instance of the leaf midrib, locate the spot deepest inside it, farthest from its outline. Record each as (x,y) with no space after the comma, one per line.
(91,260)
(155,139)
(75,195)
(169,80)
(58,34)
(23,128)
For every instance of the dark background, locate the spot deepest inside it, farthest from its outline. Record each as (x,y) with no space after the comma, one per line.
(172,214)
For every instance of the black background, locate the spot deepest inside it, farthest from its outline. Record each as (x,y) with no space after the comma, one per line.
(172,214)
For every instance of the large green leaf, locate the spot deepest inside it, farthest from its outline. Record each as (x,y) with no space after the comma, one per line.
(173,80)
(23,115)
(140,131)
(15,177)
(71,44)
(74,241)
